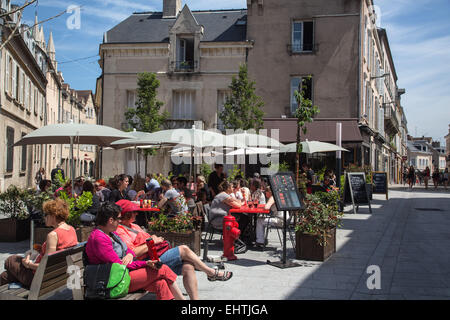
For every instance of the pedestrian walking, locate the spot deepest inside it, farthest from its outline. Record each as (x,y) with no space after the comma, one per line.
(436,177)
(445,178)
(426,176)
(40,175)
(411,176)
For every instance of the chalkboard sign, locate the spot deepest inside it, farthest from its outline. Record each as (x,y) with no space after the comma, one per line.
(285,191)
(355,190)
(380,183)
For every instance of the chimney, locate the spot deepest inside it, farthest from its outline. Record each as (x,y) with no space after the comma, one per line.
(171,8)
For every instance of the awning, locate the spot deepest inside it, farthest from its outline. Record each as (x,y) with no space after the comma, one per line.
(320,130)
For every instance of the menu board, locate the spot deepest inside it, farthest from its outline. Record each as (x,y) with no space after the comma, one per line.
(355,189)
(380,183)
(285,191)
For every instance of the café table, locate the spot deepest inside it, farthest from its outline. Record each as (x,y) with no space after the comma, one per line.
(251,227)
(144,219)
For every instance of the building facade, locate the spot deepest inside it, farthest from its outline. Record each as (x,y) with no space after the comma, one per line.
(447,147)
(22,99)
(349,72)
(31,97)
(194,54)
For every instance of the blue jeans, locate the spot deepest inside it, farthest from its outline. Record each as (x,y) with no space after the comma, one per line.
(172,259)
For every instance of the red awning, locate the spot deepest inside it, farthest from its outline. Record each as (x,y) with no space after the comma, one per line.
(320,130)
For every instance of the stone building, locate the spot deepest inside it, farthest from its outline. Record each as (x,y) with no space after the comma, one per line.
(447,147)
(352,75)
(195,54)
(22,99)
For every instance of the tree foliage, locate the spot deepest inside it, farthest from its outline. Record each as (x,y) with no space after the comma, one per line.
(243,108)
(146,116)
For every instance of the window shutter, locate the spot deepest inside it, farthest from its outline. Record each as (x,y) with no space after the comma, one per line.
(9,149)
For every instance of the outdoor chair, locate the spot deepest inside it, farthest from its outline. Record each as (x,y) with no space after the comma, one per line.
(290,230)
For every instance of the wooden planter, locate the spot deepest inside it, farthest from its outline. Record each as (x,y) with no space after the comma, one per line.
(307,247)
(192,239)
(13,230)
(40,233)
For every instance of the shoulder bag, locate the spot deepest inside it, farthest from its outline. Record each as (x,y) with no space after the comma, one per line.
(106,281)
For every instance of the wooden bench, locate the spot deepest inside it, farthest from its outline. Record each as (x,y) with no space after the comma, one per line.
(50,276)
(76,259)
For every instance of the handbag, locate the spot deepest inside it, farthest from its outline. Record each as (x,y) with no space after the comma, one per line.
(106,281)
(162,247)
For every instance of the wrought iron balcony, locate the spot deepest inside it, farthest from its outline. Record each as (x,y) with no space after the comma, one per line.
(184,66)
(390,120)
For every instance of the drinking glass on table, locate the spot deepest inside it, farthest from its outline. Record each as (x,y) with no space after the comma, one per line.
(255,203)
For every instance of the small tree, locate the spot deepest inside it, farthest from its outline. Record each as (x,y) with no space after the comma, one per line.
(242,110)
(146,116)
(305,113)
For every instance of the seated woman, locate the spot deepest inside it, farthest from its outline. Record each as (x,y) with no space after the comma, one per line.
(105,246)
(221,204)
(275,218)
(63,236)
(67,188)
(181,259)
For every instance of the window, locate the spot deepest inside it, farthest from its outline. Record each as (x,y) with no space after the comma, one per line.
(8,74)
(14,80)
(131,98)
(21,87)
(221,99)
(185,54)
(295,83)
(183,105)
(35,101)
(23,163)
(9,149)
(302,36)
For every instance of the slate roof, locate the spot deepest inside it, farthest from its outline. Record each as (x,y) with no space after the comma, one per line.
(150,27)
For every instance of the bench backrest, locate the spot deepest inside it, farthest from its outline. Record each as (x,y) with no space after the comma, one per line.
(51,275)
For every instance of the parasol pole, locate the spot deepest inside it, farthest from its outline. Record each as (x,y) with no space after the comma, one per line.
(72,172)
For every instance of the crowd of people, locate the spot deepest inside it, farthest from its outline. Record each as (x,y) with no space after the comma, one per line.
(412,176)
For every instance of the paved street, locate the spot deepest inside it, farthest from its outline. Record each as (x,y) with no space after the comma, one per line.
(407,237)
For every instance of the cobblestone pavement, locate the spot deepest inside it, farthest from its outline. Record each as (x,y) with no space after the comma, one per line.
(407,237)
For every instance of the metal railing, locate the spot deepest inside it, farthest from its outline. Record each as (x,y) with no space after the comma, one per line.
(185,65)
(302,48)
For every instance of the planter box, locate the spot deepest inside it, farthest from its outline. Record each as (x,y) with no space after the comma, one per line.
(40,233)
(12,230)
(83,233)
(192,239)
(307,247)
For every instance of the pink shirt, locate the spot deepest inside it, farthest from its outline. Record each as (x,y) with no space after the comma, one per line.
(99,250)
(132,239)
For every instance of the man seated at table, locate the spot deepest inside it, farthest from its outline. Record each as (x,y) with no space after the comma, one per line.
(181,259)
(150,183)
(171,198)
(326,186)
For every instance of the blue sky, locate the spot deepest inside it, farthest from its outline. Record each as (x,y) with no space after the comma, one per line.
(418,32)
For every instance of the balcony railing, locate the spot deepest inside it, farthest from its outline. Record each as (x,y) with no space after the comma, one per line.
(391,122)
(302,48)
(185,65)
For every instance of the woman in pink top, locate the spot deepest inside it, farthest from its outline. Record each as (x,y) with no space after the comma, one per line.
(19,269)
(105,246)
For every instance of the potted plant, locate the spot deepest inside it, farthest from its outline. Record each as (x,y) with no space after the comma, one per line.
(16,226)
(77,206)
(35,202)
(316,226)
(181,229)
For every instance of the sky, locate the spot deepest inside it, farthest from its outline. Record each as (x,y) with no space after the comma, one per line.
(418,32)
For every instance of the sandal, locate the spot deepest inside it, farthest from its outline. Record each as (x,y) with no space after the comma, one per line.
(226,276)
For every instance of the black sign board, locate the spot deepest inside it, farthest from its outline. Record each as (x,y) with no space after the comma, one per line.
(285,191)
(355,190)
(380,183)
(287,198)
